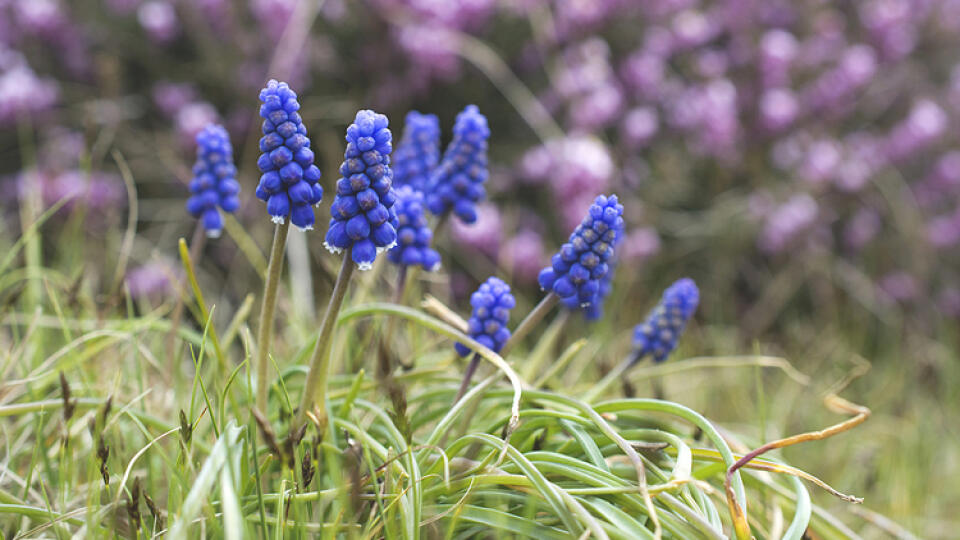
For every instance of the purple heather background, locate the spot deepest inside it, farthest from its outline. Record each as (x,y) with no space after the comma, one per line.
(755,143)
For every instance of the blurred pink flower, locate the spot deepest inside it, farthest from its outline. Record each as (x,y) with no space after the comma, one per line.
(524,256)
(485,234)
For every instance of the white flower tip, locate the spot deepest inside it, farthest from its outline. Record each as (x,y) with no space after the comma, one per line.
(214,233)
(386,248)
(277,219)
(305,229)
(434,268)
(332,249)
(364,266)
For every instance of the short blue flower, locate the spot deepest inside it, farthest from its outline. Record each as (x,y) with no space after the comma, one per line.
(214,179)
(577,269)
(418,152)
(364,219)
(487,326)
(413,234)
(457,183)
(657,336)
(289,181)
(594,311)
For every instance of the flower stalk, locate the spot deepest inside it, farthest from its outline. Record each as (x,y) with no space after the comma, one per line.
(268,308)
(320,360)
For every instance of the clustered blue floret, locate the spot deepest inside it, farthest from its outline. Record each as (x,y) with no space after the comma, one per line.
(413,233)
(487,326)
(364,219)
(214,179)
(577,269)
(457,183)
(289,181)
(418,152)
(594,311)
(657,336)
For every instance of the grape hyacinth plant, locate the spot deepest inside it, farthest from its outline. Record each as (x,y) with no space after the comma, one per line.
(487,325)
(457,183)
(214,181)
(594,311)
(289,187)
(413,234)
(363,220)
(289,181)
(418,152)
(657,336)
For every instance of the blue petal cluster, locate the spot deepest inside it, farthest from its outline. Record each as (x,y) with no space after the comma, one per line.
(413,233)
(214,179)
(364,219)
(491,303)
(457,183)
(657,336)
(577,269)
(289,181)
(594,311)
(418,152)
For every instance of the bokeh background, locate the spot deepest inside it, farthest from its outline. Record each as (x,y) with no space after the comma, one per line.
(797,158)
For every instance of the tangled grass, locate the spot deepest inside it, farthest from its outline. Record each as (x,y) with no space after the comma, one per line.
(107,434)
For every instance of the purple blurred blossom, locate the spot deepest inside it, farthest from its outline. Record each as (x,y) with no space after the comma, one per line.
(786,222)
(692,28)
(822,159)
(152,281)
(170,97)
(193,117)
(861,229)
(899,286)
(641,243)
(23,93)
(778,48)
(524,255)
(273,15)
(123,7)
(924,124)
(640,126)
(644,72)
(948,301)
(98,191)
(159,19)
(484,235)
(778,109)
(432,49)
(944,231)
(856,67)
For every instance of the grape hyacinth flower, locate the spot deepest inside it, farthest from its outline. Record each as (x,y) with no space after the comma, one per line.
(594,311)
(457,183)
(214,179)
(657,336)
(289,181)
(576,270)
(418,152)
(364,219)
(413,234)
(487,326)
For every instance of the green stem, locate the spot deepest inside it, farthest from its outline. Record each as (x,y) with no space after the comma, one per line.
(471,368)
(530,322)
(196,249)
(320,361)
(267,309)
(386,352)
(201,303)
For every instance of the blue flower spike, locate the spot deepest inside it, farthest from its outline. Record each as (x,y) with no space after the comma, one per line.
(413,234)
(457,183)
(418,152)
(657,336)
(491,303)
(594,311)
(289,181)
(577,270)
(364,219)
(214,179)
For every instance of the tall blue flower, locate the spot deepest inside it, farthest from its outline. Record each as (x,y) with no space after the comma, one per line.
(594,311)
(577,269)
(214,179)
(657,336)
(363,217)
(413,234)
(418,152)
(457,183)
(491,303)
(289,181)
